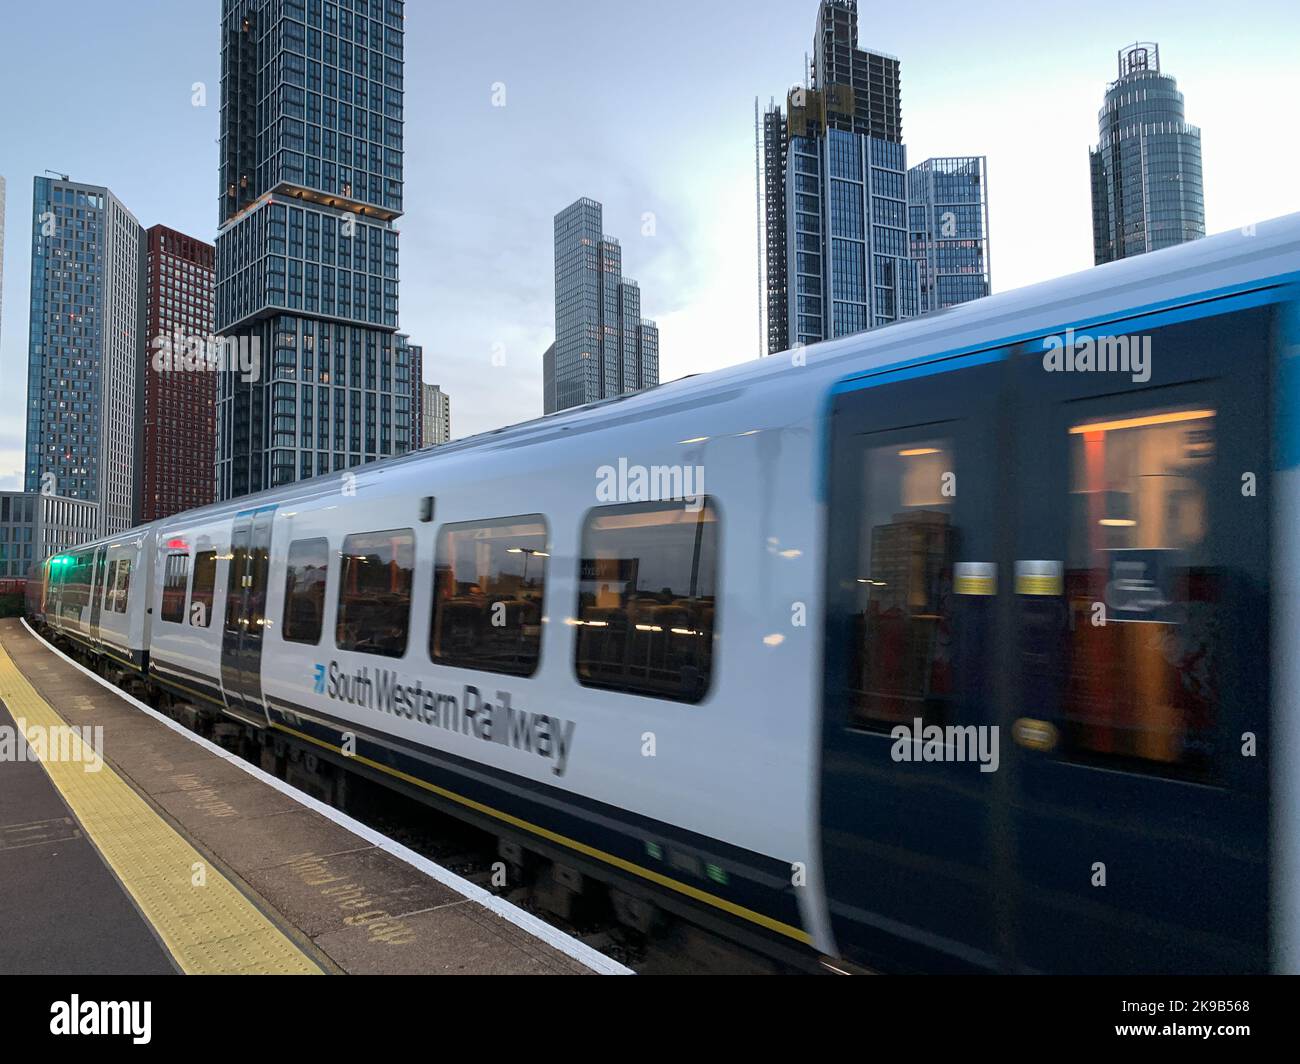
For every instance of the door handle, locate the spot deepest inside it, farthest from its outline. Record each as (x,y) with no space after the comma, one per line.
(1039,735)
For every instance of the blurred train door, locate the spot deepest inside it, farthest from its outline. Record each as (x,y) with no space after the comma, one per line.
(97,591)
(1140,658)
(910,781)
(245,621)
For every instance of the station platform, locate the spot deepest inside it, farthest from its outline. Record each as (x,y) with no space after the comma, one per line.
(129,845)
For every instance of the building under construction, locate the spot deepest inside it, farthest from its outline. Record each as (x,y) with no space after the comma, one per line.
(834,250)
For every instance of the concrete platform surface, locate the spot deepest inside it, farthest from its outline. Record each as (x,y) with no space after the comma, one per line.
(196,865)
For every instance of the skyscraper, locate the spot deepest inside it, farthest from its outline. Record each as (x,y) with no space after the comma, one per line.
(872,104)
(647,354)
(833,240)
(1146,168)
(549,399)
(307,255)
(949,223)
(87,319)
(773,144)
(603,347)
(849,261)
(415,358)
(177,443)
(436,414)
(836,254)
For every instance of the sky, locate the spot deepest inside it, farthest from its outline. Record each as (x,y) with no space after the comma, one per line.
(648,108)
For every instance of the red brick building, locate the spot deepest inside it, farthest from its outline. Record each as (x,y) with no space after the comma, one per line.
(178,432)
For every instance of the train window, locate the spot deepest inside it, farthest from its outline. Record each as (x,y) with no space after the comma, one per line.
(176,578)
(119,587)
(259,558)
(900,662)
(375,592)
(647,599)
(76,593)
(1141,676)
(487,598)
(235,582)
(106,592)
(205,582)
(304,591)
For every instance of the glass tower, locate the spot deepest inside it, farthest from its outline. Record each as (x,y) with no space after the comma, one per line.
(949,221)
(307,255)
(844,244)
(1146,169)
(849,260)
(834,255)
(603,347)
(87,317)
(414,357)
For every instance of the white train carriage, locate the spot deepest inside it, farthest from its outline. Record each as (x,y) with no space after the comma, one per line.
(678,641)
(98,597)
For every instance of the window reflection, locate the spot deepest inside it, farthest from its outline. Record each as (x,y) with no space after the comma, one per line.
(119,587)
(1141,680)
(205,582)
(375,592)
(647,599)
(304,591)
(176,575)
(488,595)
(901,658)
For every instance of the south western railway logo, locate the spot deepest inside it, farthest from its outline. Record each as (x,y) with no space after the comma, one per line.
(383,691)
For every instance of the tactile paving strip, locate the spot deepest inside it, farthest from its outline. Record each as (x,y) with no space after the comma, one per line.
(209,929)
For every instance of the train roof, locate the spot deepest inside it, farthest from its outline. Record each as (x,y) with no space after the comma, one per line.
(1170,277)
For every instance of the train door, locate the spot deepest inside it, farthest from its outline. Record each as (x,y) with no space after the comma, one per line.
(97,592)
(245,622)
(1140,654)
(911,835)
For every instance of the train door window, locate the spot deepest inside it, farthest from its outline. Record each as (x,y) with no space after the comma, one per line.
(205,582)
(304,591)
(1141,679)
(84,574)
(109,582)
(489,581)
(235,584)
(647,599)
(176,578)
(375,592)
(120,587)
(259,557)
(76,596)
(900,665)
(97,581)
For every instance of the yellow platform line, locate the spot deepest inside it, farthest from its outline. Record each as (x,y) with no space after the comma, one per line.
(211,929)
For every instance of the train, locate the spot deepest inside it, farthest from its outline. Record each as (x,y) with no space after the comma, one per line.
(961,644)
